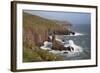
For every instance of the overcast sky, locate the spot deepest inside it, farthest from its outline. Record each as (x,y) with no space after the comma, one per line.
(73,17)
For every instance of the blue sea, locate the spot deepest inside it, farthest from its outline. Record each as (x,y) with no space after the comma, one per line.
(82,39)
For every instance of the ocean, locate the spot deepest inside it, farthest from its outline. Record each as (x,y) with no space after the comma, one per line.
(82,38)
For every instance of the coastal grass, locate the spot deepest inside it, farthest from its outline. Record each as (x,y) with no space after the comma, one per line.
(37,55)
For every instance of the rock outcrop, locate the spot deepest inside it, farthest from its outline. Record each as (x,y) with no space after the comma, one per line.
(36,29)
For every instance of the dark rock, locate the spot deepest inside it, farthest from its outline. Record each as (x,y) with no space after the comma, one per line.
(69,48)
(59,46)
(65,52)
(71,32)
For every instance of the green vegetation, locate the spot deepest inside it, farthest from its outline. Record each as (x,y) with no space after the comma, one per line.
(36,30)
(36,55)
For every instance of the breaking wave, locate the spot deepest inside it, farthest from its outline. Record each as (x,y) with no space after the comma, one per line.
(77,49)
(76,34)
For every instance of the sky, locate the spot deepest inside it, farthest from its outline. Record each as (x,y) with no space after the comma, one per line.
(74,18)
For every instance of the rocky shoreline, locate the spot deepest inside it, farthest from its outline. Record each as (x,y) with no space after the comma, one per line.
(40,32)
